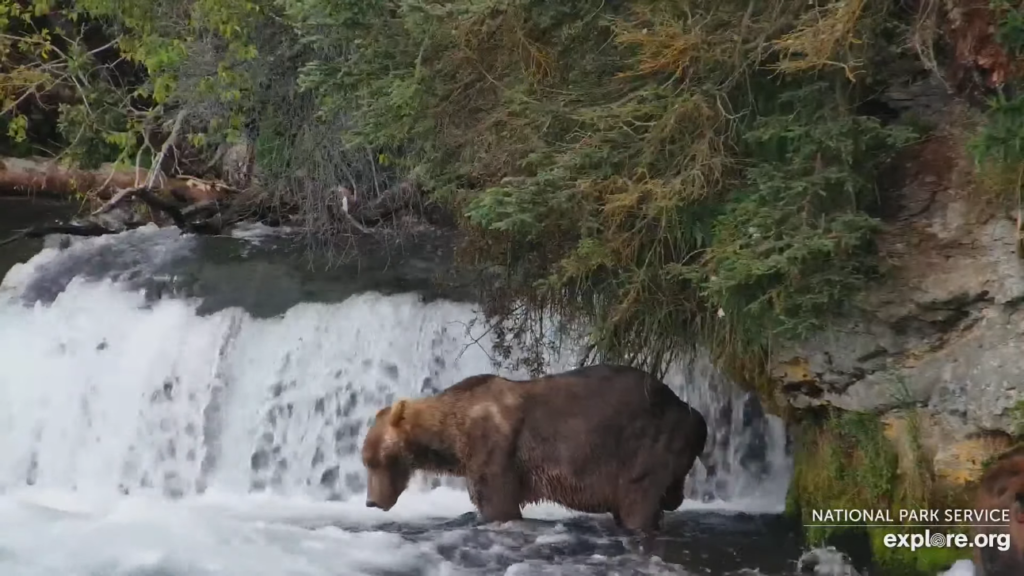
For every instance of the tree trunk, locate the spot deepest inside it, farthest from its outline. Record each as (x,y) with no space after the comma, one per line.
(45,177)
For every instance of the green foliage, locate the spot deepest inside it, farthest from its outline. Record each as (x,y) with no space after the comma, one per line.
(921,562)
(666,174)
(639,167)
(847,462)
(1001,139)
(794,240)
(108,109)
(1017,415)
(998,147)
(1009,26)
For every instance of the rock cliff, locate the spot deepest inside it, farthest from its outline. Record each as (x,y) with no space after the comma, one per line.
(944,331)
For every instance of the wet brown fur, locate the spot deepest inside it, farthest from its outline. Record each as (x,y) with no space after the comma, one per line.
(601,439)
(1002,488)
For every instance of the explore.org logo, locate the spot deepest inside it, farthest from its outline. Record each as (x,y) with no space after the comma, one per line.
(899,520)
(931,539)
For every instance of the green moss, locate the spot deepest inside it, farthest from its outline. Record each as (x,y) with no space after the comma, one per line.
(997,145)
(925,561)
(1017,415)
(846,461)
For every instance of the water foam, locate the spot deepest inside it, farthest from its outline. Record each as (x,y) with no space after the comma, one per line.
(960,568)
(135,433)
(154,536)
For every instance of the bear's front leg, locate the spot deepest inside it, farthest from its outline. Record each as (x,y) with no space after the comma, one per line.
(497,499)
(495,488)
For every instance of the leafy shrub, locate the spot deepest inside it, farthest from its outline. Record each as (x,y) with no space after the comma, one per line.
(665,174)
(638,167)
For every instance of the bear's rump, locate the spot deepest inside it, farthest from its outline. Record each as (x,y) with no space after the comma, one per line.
(590,464)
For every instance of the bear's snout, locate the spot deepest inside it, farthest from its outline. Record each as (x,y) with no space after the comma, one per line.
(371,504)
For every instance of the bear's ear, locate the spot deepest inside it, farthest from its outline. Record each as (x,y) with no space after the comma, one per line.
(398,412)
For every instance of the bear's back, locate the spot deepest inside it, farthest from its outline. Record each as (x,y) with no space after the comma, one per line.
(608,388)
(623,386)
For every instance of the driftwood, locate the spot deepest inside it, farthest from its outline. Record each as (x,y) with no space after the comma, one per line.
(390,202)
(192,205)
(154,174)
(207,217)
(45,177)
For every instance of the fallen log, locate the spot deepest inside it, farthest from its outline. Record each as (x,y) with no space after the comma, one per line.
(46,177)
(192,205)
(205,218)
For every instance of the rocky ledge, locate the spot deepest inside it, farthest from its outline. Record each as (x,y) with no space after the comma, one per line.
(944,332)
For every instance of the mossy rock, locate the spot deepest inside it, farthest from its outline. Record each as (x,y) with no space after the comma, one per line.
(902,561)
(846,461)
(843,462)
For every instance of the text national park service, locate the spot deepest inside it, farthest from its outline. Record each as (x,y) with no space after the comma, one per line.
(882,516)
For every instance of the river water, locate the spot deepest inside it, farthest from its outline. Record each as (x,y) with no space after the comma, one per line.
(181,406)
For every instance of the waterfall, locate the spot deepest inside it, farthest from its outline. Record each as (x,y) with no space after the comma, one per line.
(108,388)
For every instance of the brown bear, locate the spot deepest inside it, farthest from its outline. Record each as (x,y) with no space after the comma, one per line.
(1002,488)
(599,439)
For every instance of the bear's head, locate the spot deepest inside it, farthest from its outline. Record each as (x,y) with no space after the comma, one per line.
(1004,554)
(1002,488)
(386,457)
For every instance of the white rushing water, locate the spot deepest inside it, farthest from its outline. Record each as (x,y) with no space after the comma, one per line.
(138,437)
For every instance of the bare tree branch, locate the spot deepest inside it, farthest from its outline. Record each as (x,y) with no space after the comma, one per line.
(154,173)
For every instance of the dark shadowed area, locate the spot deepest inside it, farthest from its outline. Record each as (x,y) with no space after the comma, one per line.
(16,214)
(264,276)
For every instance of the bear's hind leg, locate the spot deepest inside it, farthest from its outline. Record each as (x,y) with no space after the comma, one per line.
(673,497)
(641,511)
